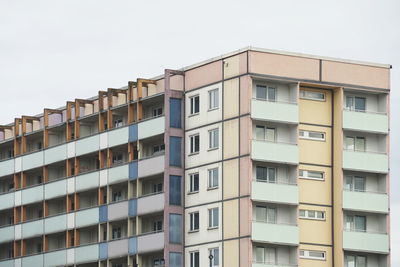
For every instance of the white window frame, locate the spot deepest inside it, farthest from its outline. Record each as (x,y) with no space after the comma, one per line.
(307,215)
(268,180)
(192,105)
(353,106)
(355,142)
(303,174)
(267,88)
(266,128)
(353,178)
(307,94)
(213,139)
(306,135)
(305,254)
(211,251)
(192,223)
(210,178)
(192,140)
(156,109)
(191,182)
(213,99)
(211,223)
(192,258)
(356,259)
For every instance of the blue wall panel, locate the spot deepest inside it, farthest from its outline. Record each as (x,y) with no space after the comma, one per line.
(133,170)
(103,213)
(132,207)
(133,132)
(103,251)
(132,245)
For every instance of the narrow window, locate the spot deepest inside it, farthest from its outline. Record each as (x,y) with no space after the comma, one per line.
(312,214)
(213,101)
(213,139)
(313,175)
(311,95)
(312,254)
(194,144)
(194,182)
(213,178)
(194,259)
(194,221)
(319,136)
(213,256)
(213,218)
(194,105)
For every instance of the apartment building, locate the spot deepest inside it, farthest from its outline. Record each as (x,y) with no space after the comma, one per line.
(255,158)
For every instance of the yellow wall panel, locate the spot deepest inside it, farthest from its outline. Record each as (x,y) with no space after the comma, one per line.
(230,176)
(231,253)
(314,111)
(315,191)
(231,66)
(314,151)
(316,231)
(231,219)
(231,138)
(231,98)
(317,263)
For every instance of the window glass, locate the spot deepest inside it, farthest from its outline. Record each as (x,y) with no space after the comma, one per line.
(314,174)
(213,99)
(349,143)
(213,138)
(361,261)
(312,95)
(260,132)
(214,253)
(359,183)
(271,93)
(348,182)
(270,134)
(359,223)
(271,215)
(175,190)
(270,255)
(213,178)
(349,102)
(271,175)
(350,261)
(259,255)
(360,144)
(194,104)
(261,173)
(175,226)
(261,213)
(359,103)
(194,143)
(194,182)
(213,217)
(194,259)
(261,92)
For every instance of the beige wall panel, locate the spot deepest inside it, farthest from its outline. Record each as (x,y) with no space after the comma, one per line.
(231,138)
(346,73)
(231,98)
(315,191)
(245,135)
(231,253)
(318,263)
(314,111)
(203,75)
(231,178)
(231,219)
(282,65)
(314,151)
(245,175)
(235,65)
(316,231)
(245,94)
(245,216)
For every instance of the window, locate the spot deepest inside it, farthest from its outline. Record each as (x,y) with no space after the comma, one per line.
(157,188)
(194,182)
(158,149)
(312,214)
(117,265)
(355,103)
(312,254)
(158,262)
(213,178)
(117,158)
(213,215)
(213,101)
(157,226)
(194,105)
(265,255)
(194,221)
(118,122)
(117,196)
(314,175)
(356,223)
(157,112)
(355,143)
(312,95)
(312,135)
(194,259)
(213,256)
(266,92)
(355,261)
(354,183)
(265,133)
(116,232)
(266,174)
(194,144)
(39,145)
(175,229)
(213,139)
(175,192)
(266,214)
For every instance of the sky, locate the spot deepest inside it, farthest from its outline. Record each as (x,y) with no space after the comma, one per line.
(54,51)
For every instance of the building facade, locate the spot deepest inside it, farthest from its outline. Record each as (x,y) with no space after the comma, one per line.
(256,158)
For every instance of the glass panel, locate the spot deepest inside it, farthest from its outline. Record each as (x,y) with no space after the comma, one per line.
(216,257)
(260,132)
(175,228)
(175,190)
(316,254)
(259,255)
(316,135)
(359,184)
(360,144)
(350,261)
(270,136)
(361,261)
(359,223)
(261,92)
(349,222)
(349,143)
(359,103)
(348,185)
(261,213)
(317,175)
(215,216)
(311,214)
(271,215)
(270,255)
(271,94)
(302,213)
(349,102)
(261,173)
(271,175)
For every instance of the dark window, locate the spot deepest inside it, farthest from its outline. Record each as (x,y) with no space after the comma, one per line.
(175,151)
(175,190)
(175,226)
(175,113)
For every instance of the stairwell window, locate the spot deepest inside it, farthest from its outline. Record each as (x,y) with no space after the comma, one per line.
(312,214)
(194,105)
(312,254)
(264,92)
(311,95)
(318,136)
(313,175)
(266,174)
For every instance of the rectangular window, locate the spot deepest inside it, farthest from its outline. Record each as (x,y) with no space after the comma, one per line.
(175,190)
(175,151)
(118,158)
(194,182)
(213,101)
(213,215)
(266,92)
(213,256)
(157,111)
(194,105)
(194,221)
(175,226)
(312,254)
(314,175)
(312,214)
(194,259)
(116,232)
(157,226)
(319,96)
(266,255)
(266,174)
(175,112)
(355,103)
(265,133)
(157,188)
(118,122)
(355,261)
(312,135)
(356,223)
(355,183)
(213,178)
(266,214)
(158,149)
(355,143)
(213,138)
(194,144)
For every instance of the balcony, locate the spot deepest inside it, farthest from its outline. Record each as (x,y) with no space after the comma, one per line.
(366,242)
(365,161)
(275,152)
(365,121)
(274,111)
(275,233)
(150,242)
(150,203)
(366,201)
(275,192)
(258,264)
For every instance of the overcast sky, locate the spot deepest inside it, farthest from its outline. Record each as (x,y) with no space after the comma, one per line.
(59,50)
